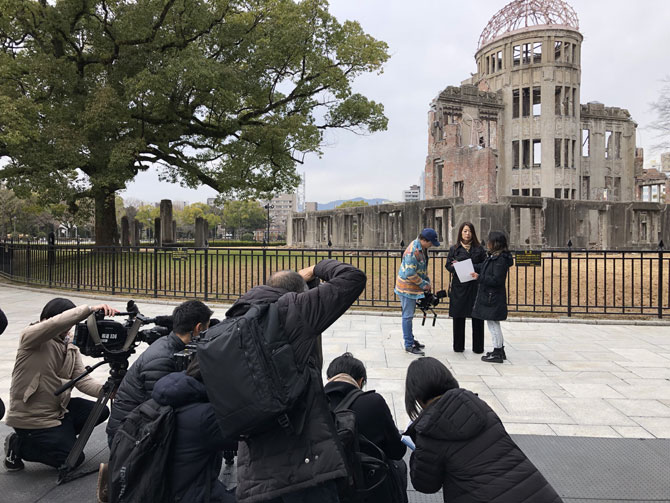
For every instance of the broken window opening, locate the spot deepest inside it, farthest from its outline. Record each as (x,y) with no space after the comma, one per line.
(525,102)
(557,50)
(537,52)
(574,102)
(458,189)
(566,102)
(526,54)
(515,104)
(525,192)
(568,52)
(573,153)
(617,145)
(608,146)
(439,172)
(586,187)
(557,193)
(537,192)
(488,65)
(566,193)
(525,155)
(515,192)
(515,154)
(481,141)
(537,153)
(537,102)
(499,60)
(557,152)
(516,55)
(557,100)
(586,143)
(574,53)
(574,193)
(566,153)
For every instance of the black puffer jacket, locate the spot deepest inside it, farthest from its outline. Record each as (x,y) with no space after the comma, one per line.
(462,295)
(276,463)
(198,442)
(141,377)
(463,449)
(491,301)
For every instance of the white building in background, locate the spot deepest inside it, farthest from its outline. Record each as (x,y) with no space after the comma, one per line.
(422,186)
(413,194)
(281,207)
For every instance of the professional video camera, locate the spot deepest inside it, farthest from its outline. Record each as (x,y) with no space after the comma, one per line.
(114,336)
(428,302)
(184,357)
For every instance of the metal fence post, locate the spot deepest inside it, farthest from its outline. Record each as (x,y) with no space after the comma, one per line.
(569,278)
(155,271)
(78,264)
(51,255)
(660,279)
(206,286)
(113,270)
(264,263)
(28,257)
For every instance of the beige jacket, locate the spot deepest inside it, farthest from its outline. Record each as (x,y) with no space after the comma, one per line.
(45,360)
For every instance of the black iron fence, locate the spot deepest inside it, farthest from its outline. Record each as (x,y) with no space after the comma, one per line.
(549,282)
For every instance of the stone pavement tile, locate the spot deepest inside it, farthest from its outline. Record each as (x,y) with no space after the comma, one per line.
(518,382)
(604,355)
(657,426)
(586,366)
(587,390)
(525,357)
(632,432)
(386,373)
(391,385)
(644,388)
(530,406)
(651,372)
(519,370)
(474,368)
(555,356)
(476,387)
(578,430)
(585,377)
(529,429)
(641,408)
(592,411)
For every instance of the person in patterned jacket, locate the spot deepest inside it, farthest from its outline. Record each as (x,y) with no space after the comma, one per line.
(413,283)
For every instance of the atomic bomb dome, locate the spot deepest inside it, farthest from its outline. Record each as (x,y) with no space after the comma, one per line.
(522,14)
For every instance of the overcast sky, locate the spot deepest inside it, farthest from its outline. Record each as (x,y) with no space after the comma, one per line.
(432,45)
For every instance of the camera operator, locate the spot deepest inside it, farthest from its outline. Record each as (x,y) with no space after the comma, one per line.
(46,426)
(412,283)
(189,319)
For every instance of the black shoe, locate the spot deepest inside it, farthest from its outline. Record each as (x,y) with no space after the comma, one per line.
(502,350)
(418,345)
(493,357)
(414,350)
(458,350)
(13,462)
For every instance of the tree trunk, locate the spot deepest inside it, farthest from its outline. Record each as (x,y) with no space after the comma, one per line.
(106,231)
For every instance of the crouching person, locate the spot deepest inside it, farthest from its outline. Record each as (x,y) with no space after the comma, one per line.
(47,425)
(346,378)
(462,446)
(198,443)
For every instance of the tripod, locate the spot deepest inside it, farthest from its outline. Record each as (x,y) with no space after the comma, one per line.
(118,363)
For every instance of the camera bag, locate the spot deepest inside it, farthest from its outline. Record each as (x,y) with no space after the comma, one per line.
(139,460)
(249,369)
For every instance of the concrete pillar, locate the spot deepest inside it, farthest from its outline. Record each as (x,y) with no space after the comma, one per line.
(134,233)
(167,229)
(200,232)
(125,231)
(157,232)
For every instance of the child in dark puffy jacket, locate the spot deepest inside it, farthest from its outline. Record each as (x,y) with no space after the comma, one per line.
(462,446)
(491,300)
(198,444)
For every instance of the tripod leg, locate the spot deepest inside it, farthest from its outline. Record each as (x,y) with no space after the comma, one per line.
(64,472)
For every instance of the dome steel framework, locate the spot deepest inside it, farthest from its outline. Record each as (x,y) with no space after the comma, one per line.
(521,14)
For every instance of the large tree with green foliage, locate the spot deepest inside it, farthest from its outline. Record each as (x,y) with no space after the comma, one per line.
(226,93)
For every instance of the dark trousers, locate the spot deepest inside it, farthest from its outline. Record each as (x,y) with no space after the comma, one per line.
(51,446)
(323,493)
(477,335)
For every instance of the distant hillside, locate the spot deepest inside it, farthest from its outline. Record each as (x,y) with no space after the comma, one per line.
(334,204)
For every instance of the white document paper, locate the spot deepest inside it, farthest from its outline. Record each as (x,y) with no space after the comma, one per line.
(464,270)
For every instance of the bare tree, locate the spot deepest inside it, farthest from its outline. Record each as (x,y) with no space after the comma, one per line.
(662,125)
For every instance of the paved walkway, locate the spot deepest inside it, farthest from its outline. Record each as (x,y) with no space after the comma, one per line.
(560,379)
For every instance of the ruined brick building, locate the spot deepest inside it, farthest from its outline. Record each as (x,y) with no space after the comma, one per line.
(517,128)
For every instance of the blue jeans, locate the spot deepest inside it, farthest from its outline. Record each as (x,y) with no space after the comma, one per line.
(408,308)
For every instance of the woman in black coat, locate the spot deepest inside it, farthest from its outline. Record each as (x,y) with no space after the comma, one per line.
(461,445)
(462,295)
(491,301)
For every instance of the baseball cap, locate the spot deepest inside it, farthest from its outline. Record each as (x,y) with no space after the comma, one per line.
(430,235)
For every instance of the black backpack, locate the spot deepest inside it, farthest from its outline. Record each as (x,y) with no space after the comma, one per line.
(250,372)
(368,466)
(139,460)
